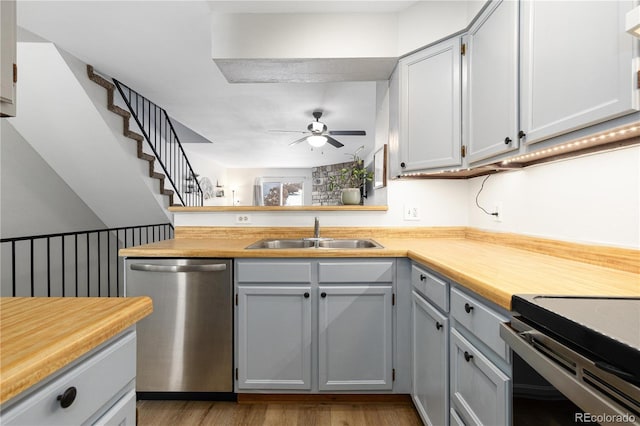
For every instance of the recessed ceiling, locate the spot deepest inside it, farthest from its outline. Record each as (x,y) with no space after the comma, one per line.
(163,50)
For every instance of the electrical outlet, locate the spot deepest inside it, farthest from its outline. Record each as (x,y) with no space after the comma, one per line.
(500,212)
(243,218)
(411,212)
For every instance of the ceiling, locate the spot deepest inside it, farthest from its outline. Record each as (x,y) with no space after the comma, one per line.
(163,50)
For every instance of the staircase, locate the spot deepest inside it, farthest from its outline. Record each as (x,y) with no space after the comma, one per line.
(151,119)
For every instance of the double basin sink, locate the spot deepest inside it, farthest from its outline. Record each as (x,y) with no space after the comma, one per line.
(318,243)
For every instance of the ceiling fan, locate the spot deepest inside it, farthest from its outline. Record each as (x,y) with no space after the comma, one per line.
(318,133)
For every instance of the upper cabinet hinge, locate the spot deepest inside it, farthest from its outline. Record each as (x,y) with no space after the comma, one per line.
(393,299)
(15,73)
(638,80)
(236,373)
(236,300)
(463,49)
(393,375)
(463,151)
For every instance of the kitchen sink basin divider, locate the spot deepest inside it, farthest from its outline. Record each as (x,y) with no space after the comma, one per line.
(72,264)
(158,131)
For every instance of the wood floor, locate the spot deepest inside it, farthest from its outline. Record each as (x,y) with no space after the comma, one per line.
(217,413)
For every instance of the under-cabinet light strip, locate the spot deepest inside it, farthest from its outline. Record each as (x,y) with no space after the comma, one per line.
(573,145)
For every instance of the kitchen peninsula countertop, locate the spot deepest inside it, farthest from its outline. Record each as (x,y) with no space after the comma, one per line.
(474,259)
(40,335)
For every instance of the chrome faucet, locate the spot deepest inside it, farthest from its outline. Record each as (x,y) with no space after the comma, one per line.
(316,228)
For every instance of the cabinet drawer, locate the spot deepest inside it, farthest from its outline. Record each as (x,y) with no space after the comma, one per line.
(97,380)
(480,320)
(480,392)
(356,272)
(274,272)
(432,287)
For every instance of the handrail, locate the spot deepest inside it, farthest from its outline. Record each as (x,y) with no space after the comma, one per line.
(79,263)
(158,131)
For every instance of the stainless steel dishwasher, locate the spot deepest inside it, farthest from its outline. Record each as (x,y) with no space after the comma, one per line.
(185,347)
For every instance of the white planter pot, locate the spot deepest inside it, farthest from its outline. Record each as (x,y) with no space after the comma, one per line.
(351,196)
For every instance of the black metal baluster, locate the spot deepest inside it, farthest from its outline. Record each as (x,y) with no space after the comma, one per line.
(13,268)
(88,268)
(99,266)
(48,268)
(32,277)
(62,267)
(109,264)
(76,262)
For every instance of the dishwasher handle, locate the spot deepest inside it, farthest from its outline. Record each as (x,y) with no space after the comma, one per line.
(212,267)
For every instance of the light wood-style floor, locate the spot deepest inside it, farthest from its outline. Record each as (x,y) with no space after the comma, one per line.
(217,413)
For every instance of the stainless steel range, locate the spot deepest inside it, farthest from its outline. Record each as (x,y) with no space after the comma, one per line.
(576,359)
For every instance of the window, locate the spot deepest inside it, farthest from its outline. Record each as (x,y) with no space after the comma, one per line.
(281,191)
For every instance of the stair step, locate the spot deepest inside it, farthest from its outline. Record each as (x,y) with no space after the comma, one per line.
(147,157)
(157,175)
(167,192)
(98,79)
(133,135)
(120,111)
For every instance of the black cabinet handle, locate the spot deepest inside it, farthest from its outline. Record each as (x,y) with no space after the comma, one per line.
(423,277)
(67,397)
(467,356)
(306,295)
(507,140)
(521,134)
(468,308)
(323,294)
(438,325)
(403,165)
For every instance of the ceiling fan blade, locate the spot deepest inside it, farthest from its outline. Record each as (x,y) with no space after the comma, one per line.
(334,142)
(348,133)
(298,141)
(287,131)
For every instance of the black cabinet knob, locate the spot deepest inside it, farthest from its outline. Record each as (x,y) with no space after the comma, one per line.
(67,397)
(438,325)
(468,308)
(467,356)
(423,277)
(403,165)
(306,295)
(507,140)
(323,294)
(521,134)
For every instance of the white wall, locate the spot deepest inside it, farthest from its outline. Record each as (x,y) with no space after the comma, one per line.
(34,199)
(205,167)
(593,199)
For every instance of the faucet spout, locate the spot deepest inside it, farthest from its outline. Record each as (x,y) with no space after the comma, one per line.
(316,228)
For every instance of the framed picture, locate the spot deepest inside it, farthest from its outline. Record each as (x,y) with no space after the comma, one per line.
(380,167)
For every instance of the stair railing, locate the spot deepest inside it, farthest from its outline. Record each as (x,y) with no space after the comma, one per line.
(156,127)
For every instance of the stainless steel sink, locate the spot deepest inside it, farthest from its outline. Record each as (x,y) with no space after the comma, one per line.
(348,244)
(320,243)
(282,244)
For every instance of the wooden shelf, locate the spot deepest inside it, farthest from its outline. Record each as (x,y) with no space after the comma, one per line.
(204,209)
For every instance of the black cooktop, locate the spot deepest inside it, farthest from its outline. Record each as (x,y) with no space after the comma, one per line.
(604,329)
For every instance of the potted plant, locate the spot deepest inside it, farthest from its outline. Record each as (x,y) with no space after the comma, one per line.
(351,180)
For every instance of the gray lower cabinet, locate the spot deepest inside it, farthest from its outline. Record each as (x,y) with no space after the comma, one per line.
(274,337)
(310,325)
(430,344)
(355,338)
(479,390)
(97,389)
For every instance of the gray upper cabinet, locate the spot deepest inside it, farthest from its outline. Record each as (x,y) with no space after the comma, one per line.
(576,65)
(491,97)
(430,108)
(8,68)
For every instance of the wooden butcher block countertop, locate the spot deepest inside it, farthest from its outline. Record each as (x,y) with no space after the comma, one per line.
(494,265)
(40,335)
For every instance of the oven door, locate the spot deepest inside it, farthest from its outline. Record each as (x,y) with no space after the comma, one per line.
(552,384)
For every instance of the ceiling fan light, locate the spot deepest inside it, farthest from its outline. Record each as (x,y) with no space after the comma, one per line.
(317,141)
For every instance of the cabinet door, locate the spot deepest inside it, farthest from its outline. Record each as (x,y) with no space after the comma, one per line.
(7,57)
(479,390)
(355,343)
(394,124)
(430,342)
(492,82)
(430,102)
(274,337)
(123,412)
(576,65)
